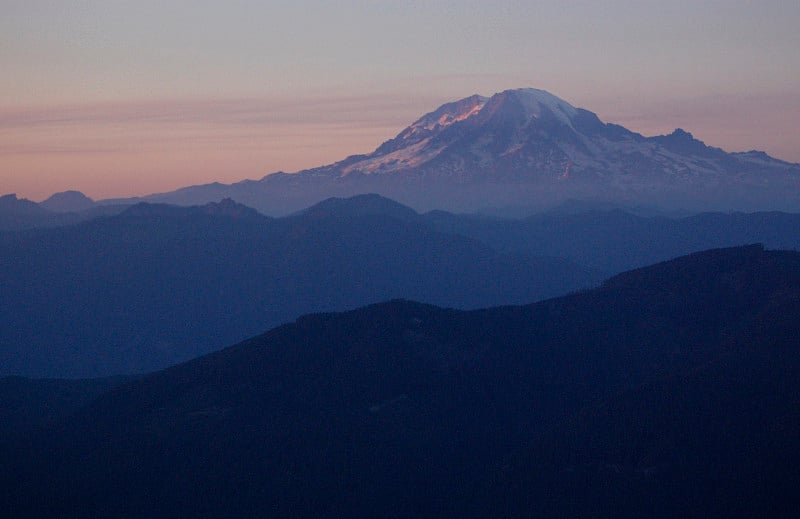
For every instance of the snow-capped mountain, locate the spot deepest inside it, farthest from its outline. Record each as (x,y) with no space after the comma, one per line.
(529,135)
(526,147)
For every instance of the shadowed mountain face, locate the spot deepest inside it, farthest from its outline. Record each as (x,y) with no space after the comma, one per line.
(158,284)
(670,389)
(525,148)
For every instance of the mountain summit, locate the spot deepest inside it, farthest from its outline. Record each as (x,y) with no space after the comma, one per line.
(513,134)
(472,139)
(531,136)
(527,148)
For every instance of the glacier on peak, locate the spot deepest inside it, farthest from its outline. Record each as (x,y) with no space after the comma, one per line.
(448,114)
(527,147)
(533,100)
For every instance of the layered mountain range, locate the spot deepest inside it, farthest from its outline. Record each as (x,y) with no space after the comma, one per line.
(672,390)
(667,390)
(157,284)
(525,148)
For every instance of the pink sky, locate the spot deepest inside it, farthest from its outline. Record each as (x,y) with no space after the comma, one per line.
(122,99)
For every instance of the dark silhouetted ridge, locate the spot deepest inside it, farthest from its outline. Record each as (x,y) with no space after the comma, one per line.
(670,390)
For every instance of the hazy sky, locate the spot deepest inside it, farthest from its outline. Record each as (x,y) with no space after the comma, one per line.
(122,98)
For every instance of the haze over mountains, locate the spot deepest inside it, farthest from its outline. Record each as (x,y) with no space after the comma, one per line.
(669,390)
(158,284)
(524,148)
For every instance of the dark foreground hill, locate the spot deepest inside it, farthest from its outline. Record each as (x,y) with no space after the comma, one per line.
(157,285)
(29,403)
(673,389)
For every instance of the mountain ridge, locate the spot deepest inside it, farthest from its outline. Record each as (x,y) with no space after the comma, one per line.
(525,147)
(160,281)
(409,409)
(158,284)
(522,148)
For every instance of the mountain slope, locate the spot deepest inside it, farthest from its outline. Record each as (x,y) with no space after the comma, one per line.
(29,404)
(407,409)
(717,440)
(159,284)
(526,148)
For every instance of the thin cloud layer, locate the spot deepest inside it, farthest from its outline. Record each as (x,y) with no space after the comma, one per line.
(115,149)
(139,147)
